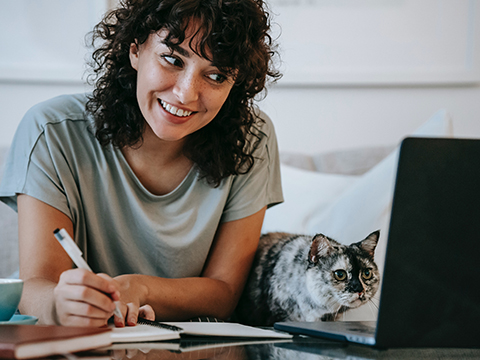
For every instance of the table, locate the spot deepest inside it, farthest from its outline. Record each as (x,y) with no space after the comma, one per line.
(304,348)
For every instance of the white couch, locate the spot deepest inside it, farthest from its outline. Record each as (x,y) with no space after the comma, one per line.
(8,232)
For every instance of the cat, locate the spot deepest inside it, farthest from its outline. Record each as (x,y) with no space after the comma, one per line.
(300,278)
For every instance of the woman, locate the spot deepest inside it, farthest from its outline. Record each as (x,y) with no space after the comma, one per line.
(162,175)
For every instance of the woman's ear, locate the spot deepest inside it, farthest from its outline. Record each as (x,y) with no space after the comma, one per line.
(133,54)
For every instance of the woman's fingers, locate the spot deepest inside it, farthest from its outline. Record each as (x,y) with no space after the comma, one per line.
(84,299)
(111,286)
(146,312)
(130,318)
(99,282)
(77,313)
(132,314)
(120,321)
(84,286)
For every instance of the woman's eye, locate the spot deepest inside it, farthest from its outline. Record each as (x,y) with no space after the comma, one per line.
(172,60)
(218,78)
(367,274)
(340,275)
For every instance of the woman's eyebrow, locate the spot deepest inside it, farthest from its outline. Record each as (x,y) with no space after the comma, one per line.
(177,48)
(180,50)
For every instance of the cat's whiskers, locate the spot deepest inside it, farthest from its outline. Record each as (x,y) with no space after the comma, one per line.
(374,313)
(338,310)
(376,302)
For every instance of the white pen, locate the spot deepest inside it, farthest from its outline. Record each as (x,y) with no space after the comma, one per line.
(76,255)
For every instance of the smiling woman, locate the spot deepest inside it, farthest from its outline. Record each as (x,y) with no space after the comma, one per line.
(178,91)
(162,174)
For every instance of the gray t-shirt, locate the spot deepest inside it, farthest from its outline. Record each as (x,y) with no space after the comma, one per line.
(119,225)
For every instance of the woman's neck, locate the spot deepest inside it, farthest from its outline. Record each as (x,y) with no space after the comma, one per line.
(159,165)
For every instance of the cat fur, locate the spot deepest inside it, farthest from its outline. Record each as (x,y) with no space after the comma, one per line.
(292,279)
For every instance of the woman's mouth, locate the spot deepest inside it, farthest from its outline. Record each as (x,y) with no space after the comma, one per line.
(174,110)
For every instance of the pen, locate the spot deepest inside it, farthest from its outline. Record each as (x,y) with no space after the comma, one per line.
(76,255)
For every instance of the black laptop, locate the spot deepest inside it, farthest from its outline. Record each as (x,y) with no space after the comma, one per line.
(430,296)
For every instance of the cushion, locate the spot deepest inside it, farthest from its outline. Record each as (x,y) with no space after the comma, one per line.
(344,207)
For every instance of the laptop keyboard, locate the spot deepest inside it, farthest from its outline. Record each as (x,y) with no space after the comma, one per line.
(361,328)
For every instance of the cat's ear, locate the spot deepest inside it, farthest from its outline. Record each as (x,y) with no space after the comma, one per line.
(370,243)
(320,247)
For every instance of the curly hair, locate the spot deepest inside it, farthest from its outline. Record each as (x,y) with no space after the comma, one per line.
(234,33)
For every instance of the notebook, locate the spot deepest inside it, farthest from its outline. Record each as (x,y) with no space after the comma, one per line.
(429,295)
(147,330)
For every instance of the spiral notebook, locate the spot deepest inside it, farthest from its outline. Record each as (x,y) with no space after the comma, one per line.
(147,330)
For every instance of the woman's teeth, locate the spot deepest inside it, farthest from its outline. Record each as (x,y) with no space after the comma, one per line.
(174,110)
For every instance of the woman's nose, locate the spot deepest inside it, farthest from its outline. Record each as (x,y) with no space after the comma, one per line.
(187,88)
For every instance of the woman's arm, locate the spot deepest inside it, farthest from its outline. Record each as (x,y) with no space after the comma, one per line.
(52,291)
(58,295)
(216,292)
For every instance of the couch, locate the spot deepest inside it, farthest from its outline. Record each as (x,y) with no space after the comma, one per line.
(8,232)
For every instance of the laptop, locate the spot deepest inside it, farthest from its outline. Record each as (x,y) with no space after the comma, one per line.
(431,278)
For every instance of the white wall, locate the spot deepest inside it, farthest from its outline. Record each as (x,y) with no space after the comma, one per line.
(310,120)
(309,116)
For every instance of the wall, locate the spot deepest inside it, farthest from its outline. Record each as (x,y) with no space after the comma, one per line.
(310,116)
(311,120)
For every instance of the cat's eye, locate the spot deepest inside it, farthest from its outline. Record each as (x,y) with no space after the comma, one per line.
(367,274)
(340,275)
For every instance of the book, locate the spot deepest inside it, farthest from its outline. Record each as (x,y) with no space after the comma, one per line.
(147,330)
(32,341)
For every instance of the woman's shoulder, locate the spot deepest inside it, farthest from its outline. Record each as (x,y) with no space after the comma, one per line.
(55,116)
(47,114)
(58,108)
(265,125)
(264,131)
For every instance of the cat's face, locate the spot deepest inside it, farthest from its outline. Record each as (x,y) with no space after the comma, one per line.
(340,275)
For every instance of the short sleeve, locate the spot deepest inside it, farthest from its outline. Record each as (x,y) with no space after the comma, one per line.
(36,165)
(261,186)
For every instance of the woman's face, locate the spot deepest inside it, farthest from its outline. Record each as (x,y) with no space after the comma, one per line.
(178,92)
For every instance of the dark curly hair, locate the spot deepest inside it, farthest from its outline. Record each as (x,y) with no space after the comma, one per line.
(234,33)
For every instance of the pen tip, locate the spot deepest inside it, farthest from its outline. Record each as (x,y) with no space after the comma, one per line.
(56,231)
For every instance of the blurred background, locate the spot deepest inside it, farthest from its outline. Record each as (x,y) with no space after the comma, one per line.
(356,72)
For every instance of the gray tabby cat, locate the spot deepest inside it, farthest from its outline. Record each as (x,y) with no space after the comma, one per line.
(300,278)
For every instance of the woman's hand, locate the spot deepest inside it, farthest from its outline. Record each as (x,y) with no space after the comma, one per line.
(83,298)
(132,295)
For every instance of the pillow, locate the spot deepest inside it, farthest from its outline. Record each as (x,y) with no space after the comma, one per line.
(346,208)
(366,205)
(306,195)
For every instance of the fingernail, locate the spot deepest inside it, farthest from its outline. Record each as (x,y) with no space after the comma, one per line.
(132,321)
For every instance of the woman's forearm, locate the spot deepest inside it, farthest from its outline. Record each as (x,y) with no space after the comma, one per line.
(38,300)
(181,299)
